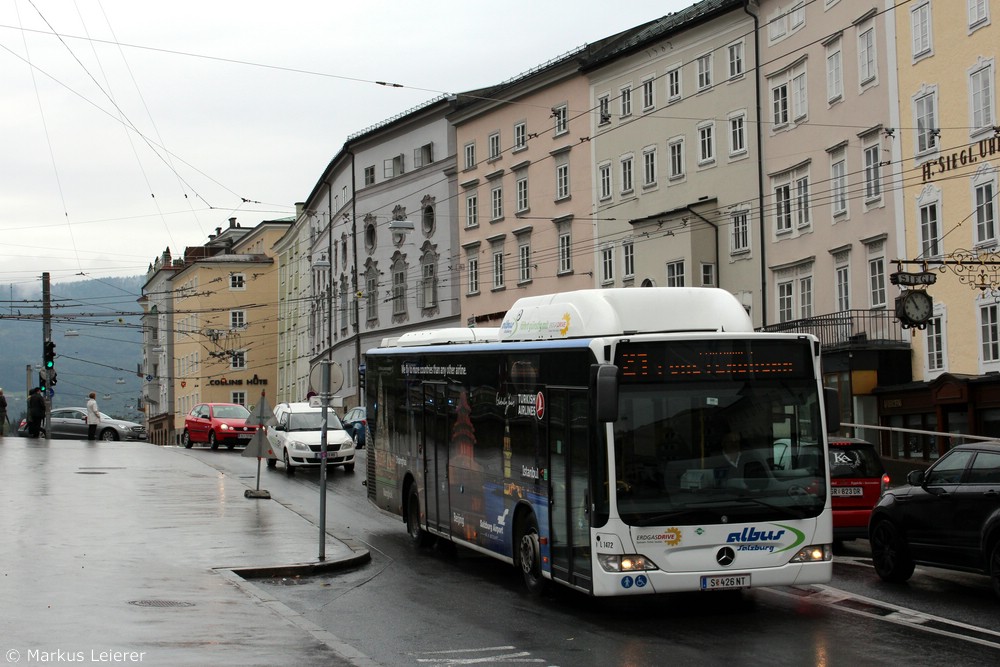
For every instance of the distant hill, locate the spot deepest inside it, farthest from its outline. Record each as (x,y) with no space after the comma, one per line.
(98,336)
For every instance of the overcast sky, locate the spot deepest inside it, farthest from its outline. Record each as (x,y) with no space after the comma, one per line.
(127,127)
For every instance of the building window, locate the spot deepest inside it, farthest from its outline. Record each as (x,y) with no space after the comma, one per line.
(628,259)
(562,181)
(393,166)
(979,12)
(604,180)
(802,216)
(604,109)
(838,181)
(735,60)
(783,208)
(986,232)
(675,150)
(427,289)
(935,344)
(930,231)
(842,280)
(496,203)
(524,262)
(706,143)
(834,73)
(649,167)
(867,61)
(989,332)
(498,279)
(238,397)
(398,288)
(520,135)
(626,173)
(237,281)
(786,301)
(472,210)
(800,100)
(873,172)
(371,295)
(920,24)
(470,155)
(648,100)
(791,199)
(608,264)
(472,269)
(521,194)
(737,134)
(674,84)
(739,232)
(798,16)
(924,108)
(876,277)
(777,27)
(779,104)
(675,274)
(708,275)
(565,249)
(370,175)
(805,297)
(423,156)
(238,360)
(494,146)
(705,71)
(981,93)
(237,319)
(625,100)
(561,115)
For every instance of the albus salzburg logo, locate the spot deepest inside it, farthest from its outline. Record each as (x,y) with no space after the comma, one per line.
(755,539)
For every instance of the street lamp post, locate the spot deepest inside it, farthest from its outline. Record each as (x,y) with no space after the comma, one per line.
(323,263)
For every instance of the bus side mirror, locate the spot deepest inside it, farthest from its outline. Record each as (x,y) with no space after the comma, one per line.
(831,404)
(605,382)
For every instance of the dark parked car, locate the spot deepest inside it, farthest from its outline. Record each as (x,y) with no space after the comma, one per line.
(356,422)
(72,423)
(948,516)
(857,481)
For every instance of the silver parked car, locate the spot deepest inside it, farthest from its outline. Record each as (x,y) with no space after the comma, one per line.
(72,423)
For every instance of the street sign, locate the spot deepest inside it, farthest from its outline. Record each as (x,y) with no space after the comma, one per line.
(912,279)
(336,377)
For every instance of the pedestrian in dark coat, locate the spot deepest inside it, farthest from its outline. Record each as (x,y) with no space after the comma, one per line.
(36,412)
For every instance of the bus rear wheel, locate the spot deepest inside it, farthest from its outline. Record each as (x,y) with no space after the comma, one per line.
(418,536)
(529,555)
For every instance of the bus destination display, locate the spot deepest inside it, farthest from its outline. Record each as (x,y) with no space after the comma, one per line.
(692,360)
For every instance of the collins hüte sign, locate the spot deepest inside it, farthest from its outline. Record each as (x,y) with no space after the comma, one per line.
(238,382)
(970,154)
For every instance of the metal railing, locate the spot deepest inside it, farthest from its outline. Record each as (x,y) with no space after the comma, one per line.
(848,328)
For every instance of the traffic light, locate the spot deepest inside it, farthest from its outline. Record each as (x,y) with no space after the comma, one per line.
(50,354)
(43,380)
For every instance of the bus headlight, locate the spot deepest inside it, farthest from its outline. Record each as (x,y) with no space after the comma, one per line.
(814,553)
(626,563)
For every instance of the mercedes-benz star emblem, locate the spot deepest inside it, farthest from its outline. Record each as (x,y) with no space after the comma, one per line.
(725,557)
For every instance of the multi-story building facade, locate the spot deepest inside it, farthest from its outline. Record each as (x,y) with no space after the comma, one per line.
(524,189)
(158,349)
(674,154)
(830,206)
(948,134)
(293,253)
(224,322)
(383,219)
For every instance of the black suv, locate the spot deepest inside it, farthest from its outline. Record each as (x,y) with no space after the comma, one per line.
(948,516)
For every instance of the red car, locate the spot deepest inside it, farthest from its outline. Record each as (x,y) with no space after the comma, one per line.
(217,422)
(857,481)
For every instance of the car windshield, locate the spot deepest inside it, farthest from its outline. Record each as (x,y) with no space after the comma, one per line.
(855,460)
(231,412)
(312,421)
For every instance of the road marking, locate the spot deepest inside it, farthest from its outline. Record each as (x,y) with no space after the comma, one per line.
(860,605)
(467,656)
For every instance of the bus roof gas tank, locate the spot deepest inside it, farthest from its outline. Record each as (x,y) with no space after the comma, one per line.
(622,311)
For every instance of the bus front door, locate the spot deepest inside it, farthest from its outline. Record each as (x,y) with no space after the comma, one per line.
(436,457)
(569,468)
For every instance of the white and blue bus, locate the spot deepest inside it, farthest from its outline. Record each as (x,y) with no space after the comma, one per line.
(584,443)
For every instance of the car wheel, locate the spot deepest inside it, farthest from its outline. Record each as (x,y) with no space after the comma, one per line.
(419,537)
(109,434)
(354,437)
(529,555)
(890,554)
(995,566)
(212,442)
(348,467)
(186,439)
(289,468)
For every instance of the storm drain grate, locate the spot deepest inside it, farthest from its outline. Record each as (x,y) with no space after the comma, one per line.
(91,472)
(160,603)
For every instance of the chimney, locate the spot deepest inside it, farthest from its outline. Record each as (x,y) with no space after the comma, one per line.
(232,223)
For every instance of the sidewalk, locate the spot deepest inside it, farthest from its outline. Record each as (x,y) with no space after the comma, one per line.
(122,553)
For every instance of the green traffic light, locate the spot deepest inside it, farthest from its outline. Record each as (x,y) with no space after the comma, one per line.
(50,364)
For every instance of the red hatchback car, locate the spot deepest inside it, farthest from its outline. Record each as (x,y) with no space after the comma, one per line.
(218,422)
(857,481)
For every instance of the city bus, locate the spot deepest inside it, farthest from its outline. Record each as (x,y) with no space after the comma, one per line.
(582,443)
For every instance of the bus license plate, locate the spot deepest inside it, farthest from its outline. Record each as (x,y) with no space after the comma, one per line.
(847,491)
(725,583)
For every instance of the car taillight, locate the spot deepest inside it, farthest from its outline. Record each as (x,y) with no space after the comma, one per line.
(884,485)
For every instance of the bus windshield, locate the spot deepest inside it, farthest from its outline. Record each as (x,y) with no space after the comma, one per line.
(713,432)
